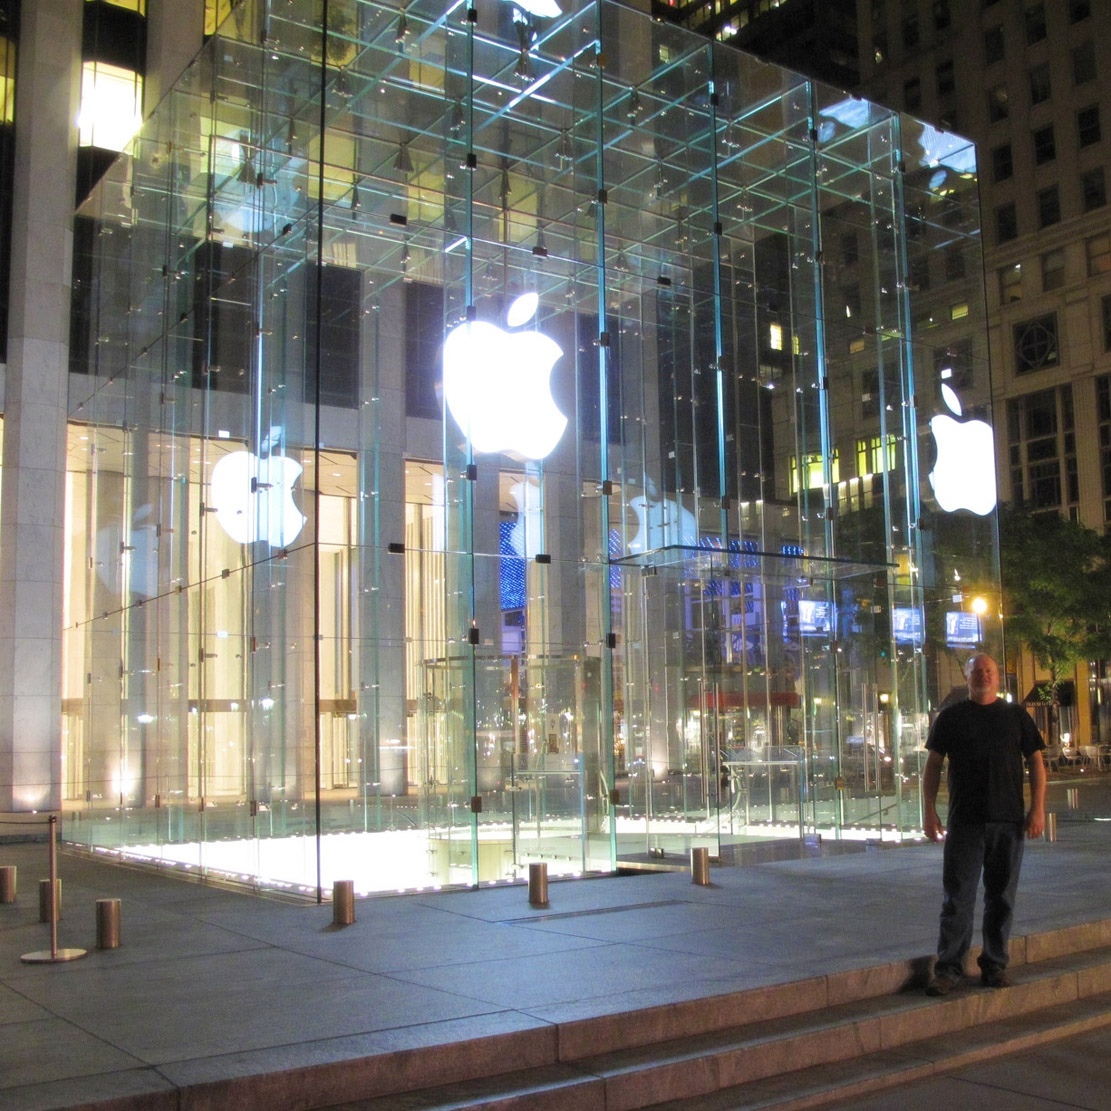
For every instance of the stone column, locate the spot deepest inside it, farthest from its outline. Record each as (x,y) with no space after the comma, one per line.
(175,32)
(34,453)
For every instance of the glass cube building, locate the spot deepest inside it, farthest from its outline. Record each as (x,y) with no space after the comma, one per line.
(516,433)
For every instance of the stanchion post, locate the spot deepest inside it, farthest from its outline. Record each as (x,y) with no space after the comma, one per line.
(700,866)
(538,884)
(53,955)
(1051,827)
(1073,795)
(343,902)
(7,883)
(108,923)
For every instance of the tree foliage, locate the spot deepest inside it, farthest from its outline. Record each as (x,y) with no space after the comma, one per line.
(1056,578)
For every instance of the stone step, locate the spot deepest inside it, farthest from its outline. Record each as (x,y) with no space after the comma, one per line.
(786,1054)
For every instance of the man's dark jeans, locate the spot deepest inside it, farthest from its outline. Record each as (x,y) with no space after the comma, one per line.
(996,849)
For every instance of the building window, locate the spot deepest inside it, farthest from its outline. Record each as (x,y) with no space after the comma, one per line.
(997,104)
(1042,449)
(1103,408)
(1106,303)
(942,18)
(993,45)
(1006,223)
(1087,125)
(1002,163)
(871,458)
(1039,83)
(808,472)
(954,264)
(879,47)
(1036,344)
(910,31)
(1099,254)
(1053,270)
(1045,145)
(1084,63)
(1035,24)
(111,106)
(953,365)
(946,79)
(1093,189)
(959,311)
(1079,10)
(1049,207)
(912,94)
(871,399)
(1010,283)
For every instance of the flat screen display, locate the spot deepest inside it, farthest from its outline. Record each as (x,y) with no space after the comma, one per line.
(962,628)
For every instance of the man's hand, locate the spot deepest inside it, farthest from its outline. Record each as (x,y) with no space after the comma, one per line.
(1035,822)
(935,831)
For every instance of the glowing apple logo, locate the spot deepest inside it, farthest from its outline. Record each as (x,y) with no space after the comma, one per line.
(253,498)
(497,384)
(662,524)
(964,474)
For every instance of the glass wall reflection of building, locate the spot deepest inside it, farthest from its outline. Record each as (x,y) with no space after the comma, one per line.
(501,436)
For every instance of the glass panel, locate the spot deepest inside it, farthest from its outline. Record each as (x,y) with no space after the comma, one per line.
(514,440)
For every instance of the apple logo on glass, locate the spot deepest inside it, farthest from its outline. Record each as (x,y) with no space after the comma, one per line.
(964,474)
(497,384)
(661,524)
(253,496)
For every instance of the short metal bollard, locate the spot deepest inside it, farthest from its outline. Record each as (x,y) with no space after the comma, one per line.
(1051,827)
(1073,795)
(343,902)
(700,866)
(7,883)
(44,899)
(108,923)
(538,885)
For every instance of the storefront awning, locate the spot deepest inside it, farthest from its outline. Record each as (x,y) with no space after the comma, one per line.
(1066,693)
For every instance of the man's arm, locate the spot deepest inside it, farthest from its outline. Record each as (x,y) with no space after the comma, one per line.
(931,781)
(1035,816)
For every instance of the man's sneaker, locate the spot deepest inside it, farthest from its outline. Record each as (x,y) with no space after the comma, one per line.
(941,985)
(995,978)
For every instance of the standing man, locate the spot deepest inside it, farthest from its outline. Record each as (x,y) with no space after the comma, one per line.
(986,740)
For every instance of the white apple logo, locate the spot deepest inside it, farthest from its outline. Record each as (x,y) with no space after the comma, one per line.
(497,384)
(662,524)
(964,475)
(253,498)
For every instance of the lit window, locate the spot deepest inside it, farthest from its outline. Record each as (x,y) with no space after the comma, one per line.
(871,457)
(111,106)
(1099,254)
(958,311)
(809,470)
(1053,270)
(775,337)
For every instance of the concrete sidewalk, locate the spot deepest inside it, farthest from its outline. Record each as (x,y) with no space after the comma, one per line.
(209,983)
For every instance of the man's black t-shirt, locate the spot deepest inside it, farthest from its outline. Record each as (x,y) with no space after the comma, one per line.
(986,746)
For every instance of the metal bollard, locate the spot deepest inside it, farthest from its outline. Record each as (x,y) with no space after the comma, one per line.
(1051,827)
(700,866)
(44,899)
(343,902)
(538,885)
(107,923)
(7,883)
(1073,795)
